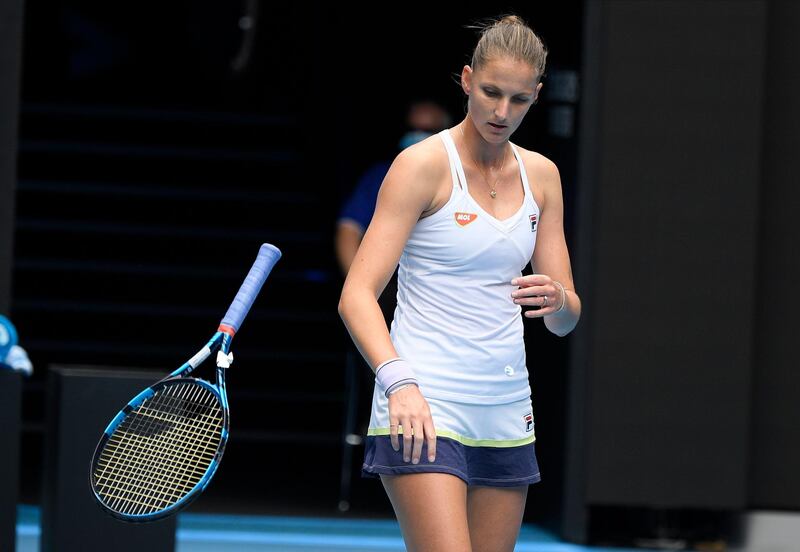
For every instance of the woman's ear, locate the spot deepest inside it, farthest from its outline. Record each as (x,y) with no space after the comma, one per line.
(466,79)
(536,93)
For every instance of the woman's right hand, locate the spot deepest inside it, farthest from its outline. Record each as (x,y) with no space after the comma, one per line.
(409,409)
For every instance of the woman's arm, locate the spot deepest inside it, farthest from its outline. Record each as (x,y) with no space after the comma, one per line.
(408,190)
(550,262)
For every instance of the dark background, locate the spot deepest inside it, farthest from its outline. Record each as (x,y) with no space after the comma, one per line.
(150,171)
(150,168)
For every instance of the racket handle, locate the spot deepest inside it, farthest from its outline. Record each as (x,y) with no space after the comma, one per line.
(268,255)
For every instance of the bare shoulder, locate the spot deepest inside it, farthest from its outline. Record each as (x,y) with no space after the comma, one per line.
(539,167)
(418,171)
(543,176)
(426,159)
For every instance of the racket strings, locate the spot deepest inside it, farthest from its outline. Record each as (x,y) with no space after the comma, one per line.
(165,488)
(130,441)
(161,450)
(168,453)
(183,479)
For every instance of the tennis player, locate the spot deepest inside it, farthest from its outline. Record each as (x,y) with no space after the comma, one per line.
(451,434)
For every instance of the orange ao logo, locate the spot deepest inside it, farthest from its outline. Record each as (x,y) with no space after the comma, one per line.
(462,219)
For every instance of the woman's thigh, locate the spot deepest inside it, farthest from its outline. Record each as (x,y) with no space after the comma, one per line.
(432,511)
(494,516)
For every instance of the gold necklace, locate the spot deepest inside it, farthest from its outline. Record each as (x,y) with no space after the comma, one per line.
(492,191)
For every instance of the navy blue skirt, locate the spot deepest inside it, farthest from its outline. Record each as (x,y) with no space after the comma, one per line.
(489,445)
(485,466)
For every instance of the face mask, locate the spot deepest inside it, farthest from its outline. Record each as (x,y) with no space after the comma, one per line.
(412,137)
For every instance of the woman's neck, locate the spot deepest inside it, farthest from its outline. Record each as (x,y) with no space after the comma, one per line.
(488,155)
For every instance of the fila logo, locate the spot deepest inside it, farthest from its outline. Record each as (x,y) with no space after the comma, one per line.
(528,419)
(465,218)
(533,223)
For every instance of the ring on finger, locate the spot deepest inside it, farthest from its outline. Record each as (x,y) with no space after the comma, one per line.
(544,300)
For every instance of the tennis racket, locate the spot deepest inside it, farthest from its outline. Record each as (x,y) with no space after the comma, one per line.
(162,449)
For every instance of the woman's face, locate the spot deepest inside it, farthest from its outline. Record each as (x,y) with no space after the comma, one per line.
(500,94)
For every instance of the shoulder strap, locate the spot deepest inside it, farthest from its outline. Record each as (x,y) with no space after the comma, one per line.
(456,169)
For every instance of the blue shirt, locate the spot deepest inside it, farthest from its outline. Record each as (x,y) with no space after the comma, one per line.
(360,206)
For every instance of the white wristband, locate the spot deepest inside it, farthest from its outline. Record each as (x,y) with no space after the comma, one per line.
(395,388)
(394,373)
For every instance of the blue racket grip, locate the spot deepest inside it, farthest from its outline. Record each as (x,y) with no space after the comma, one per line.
(268,255)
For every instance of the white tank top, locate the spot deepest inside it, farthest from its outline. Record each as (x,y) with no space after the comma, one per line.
(455,320)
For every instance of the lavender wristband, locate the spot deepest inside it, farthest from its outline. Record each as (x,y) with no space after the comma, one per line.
(394,373)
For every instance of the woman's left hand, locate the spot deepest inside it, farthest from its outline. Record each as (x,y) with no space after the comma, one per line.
(538,290)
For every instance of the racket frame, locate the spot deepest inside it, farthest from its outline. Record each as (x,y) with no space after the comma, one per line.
(221,342)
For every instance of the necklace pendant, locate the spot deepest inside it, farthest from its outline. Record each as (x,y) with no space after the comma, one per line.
(493,194)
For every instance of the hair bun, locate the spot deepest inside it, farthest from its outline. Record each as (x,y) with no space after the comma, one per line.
(509,36)
(511,20)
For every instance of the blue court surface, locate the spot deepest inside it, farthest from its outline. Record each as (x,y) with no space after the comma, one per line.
(229,533)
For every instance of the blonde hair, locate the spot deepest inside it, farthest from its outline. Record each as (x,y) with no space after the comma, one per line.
(511,37)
